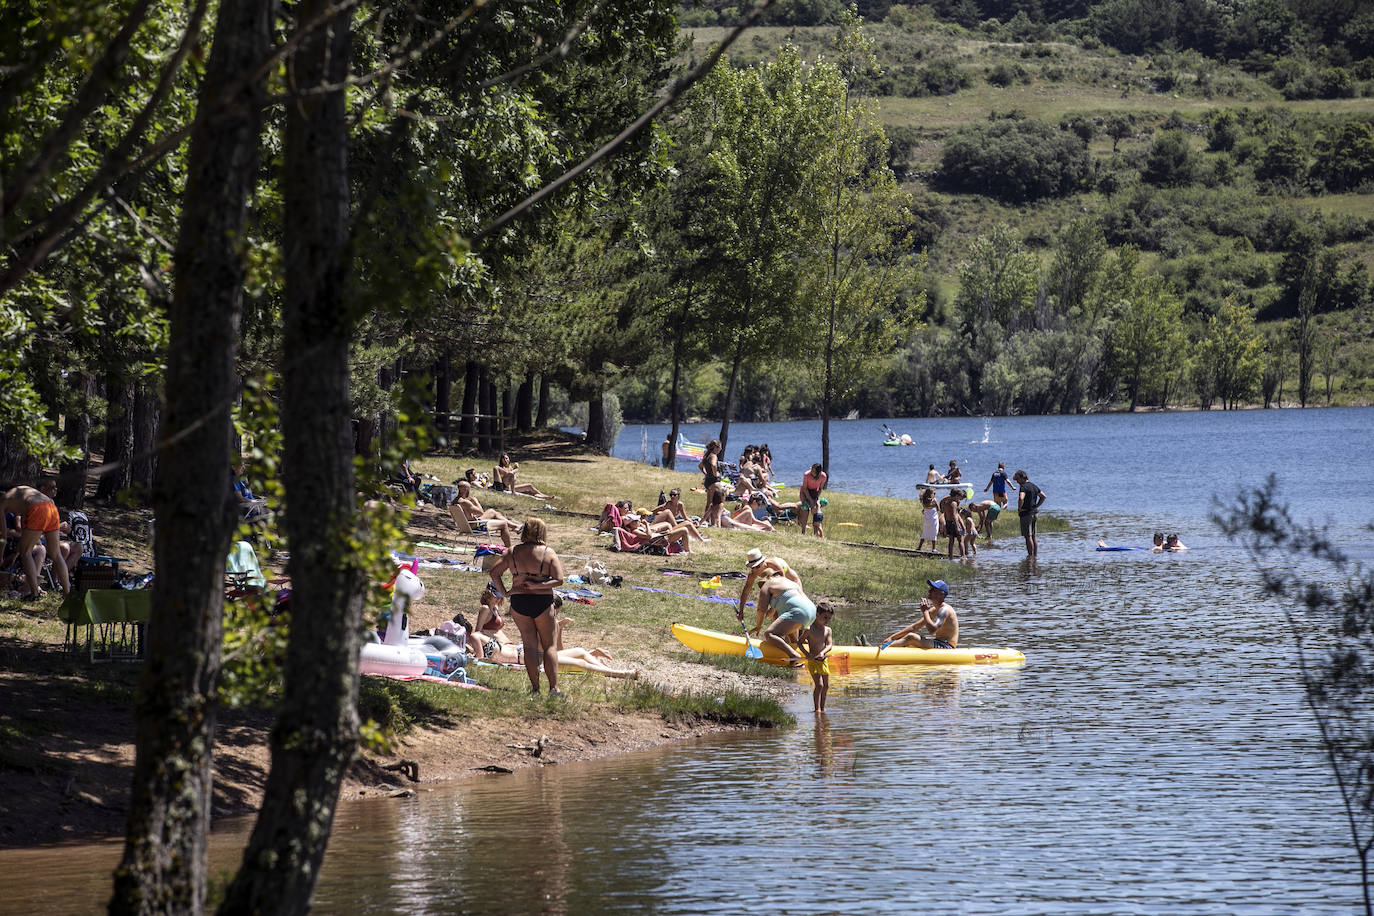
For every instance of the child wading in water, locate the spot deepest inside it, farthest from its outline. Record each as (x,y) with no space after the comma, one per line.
(818,641)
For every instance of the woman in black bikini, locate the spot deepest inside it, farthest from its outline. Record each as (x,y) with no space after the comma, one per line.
(535,572)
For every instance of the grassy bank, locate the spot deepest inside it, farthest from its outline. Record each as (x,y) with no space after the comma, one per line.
(868,558)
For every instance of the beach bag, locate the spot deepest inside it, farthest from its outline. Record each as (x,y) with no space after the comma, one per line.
(597,574)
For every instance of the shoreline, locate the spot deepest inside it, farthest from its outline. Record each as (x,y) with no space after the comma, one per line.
(67,727)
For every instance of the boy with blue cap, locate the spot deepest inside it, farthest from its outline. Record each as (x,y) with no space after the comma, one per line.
(937,615)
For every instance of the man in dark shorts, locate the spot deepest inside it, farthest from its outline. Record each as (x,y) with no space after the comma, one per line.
(1028,502)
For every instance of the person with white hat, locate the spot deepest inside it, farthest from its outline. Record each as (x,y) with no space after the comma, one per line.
(937,615)
(760,568)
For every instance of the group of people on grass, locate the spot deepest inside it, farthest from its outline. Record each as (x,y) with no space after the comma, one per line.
(535,571)
(755,488)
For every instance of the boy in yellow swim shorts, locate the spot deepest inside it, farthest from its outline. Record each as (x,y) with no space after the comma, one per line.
(817,642)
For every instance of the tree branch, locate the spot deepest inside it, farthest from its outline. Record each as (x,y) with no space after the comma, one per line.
(674,92)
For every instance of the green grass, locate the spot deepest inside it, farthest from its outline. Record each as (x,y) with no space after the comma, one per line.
(399,706)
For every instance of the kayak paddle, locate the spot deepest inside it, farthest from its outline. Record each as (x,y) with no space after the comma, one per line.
(751,650)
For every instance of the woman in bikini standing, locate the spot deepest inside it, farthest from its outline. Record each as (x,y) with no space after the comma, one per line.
(535,572)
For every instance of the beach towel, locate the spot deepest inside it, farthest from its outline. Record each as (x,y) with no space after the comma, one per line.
(716,599)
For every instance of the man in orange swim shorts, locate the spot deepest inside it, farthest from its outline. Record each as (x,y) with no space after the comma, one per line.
(38,518)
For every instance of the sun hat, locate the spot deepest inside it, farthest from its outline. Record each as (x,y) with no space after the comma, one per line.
(939,584)
(754,558)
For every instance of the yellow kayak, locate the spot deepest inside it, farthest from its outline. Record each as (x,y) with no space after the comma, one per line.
(715,643)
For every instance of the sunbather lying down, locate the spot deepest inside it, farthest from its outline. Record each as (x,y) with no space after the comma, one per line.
(498,650)
(590,660)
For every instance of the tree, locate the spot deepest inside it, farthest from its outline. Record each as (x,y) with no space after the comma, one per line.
(1016,160)
(1149,319)
(163,866)
(760,136)
(857,274)
(1328,602)
(997,286)
(1304,328)
(1170,161)
(1231,354)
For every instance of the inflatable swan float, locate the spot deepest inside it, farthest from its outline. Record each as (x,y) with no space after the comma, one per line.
(397,654)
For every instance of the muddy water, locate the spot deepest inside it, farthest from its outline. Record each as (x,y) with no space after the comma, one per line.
(1153,754)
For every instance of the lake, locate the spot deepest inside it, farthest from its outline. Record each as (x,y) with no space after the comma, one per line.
(1153,754)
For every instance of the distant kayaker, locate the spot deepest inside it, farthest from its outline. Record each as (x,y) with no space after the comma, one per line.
(818,641)
(1028,502)
(953,475)
(937,616)
(998,482)
(760,568)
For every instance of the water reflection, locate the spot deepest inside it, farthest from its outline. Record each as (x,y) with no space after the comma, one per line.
(1153,754)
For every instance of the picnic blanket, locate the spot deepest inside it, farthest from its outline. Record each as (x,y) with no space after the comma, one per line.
(714,598)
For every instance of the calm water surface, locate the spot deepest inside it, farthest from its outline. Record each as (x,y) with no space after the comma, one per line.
(1152,755)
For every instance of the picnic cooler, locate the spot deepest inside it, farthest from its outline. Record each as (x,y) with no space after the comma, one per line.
(95,572)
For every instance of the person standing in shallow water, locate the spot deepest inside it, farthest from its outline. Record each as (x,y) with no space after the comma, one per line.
(1028,502)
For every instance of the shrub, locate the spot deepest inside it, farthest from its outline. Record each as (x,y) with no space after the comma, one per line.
(1006,74)
(1170,162)
(1016,160)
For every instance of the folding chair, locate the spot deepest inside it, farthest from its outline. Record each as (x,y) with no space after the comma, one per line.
(242,574)
(482,526)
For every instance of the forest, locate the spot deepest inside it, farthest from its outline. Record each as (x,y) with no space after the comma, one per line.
(330,235)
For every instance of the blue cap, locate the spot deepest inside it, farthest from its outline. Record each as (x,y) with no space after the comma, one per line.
(940,584)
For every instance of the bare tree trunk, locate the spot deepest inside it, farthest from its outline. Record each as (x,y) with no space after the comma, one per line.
(730,393)
(15,462)
(472,380)
(145,423)
(596,421)
(119,438)
(316,733)
(1304,330)
(71,480)
(675,397)
(541,413)
(163,869)
(443,393)
(524,404)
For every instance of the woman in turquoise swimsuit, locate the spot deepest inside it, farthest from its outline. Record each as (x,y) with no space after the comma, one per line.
(795,612)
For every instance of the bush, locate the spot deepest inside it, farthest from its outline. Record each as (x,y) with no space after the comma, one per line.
(1170,162)
(1016,160)
(1007,74)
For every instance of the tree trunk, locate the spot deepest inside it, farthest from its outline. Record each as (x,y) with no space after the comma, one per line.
(384,380)
(119,438)
(524,404)
(675,396)
(596,422)
(164,866)
(1305,332)
(541,414)
(71,480)
(316,733)
(467,425)
(487,397)
(443,392)
(15,462)
(730,392)
(145,423)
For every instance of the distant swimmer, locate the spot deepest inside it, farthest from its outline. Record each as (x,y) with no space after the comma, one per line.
(1173,543)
